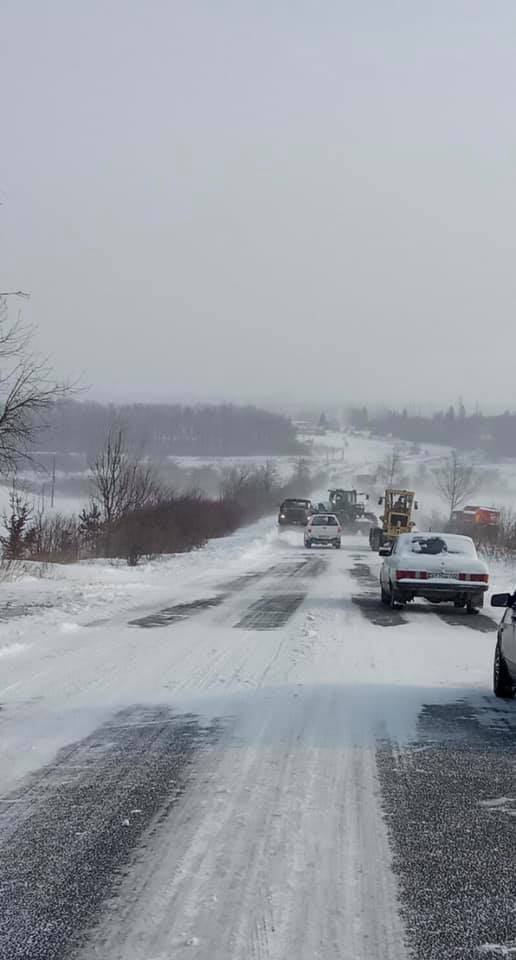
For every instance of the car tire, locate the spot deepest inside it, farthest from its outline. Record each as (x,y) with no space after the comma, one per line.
(394,601)
(470,608)
(459,604)
(337,545)
(385,597)
(375,539)
(502,685)
(308,543)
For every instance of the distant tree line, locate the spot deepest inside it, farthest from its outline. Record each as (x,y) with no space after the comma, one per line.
(454,427)
(171,430)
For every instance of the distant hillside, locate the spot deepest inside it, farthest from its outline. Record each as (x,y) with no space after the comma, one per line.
(172,430)
(495,435)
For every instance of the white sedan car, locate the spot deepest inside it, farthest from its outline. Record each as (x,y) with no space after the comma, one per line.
(437,566)
(323,528)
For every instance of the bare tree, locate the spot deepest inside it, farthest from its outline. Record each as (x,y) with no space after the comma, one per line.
(28,390)
(507,527)
(234,482)
(456,480)
(390,470)
(302,476)
(268,477)
(121,482)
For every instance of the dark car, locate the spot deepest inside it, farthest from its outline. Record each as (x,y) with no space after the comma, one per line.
(294,512)
(504,669)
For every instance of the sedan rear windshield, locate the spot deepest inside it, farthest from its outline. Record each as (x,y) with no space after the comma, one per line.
(324,521)
(303,504)
(440,544)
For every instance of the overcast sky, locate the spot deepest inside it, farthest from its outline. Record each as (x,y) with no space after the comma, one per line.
(273,199)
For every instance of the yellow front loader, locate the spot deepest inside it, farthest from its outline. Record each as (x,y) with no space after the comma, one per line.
(397,517)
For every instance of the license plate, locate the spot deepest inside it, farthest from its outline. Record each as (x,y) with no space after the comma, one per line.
(444,575)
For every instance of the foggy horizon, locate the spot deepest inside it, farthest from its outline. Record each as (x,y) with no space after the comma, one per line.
(287,206)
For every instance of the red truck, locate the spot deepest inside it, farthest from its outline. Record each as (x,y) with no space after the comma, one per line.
(480,523)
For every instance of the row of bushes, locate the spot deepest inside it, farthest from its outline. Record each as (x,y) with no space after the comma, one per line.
(165,523)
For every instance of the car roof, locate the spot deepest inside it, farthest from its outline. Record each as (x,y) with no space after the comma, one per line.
(325,514)
(423,534)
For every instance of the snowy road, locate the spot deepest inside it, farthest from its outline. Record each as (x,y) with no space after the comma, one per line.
(262,762)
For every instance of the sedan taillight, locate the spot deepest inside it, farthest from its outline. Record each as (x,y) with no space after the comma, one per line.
(411,575)
(475,577)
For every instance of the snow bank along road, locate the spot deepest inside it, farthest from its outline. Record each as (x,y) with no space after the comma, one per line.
(264,763)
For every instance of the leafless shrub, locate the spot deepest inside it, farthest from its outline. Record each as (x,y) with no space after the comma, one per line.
(121,483)
(389,471)
(131,517)
(234,483)
(53,538)
(302,475)
(11,570)
(503,547)
(173,525)
(455,480)
(434,520)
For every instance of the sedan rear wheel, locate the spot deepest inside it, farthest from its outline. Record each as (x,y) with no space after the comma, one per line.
(502,684)
(385,597)
(470,607)
(394,600)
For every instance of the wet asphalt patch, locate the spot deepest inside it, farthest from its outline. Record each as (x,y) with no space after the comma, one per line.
(273,610)
(459,618)
(309,566)
(369,603)
(12,611)
(177,612)
(361,571)
(243,581)
(269,613)
(68,834)
(450,803)
(376,612)
(289,568)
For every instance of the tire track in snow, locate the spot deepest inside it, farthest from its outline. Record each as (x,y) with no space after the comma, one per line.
(67,834)
(449,800)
